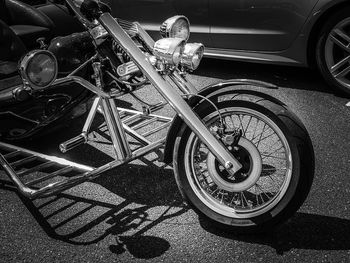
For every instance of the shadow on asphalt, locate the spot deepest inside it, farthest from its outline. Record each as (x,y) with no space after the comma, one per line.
(303,231)
(80,220)
(157,188)
(84,219)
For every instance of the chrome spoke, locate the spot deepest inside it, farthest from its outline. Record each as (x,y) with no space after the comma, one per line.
(272,180)
(340,64)
(342,73)
(338,36)
(337,53)
(342,34)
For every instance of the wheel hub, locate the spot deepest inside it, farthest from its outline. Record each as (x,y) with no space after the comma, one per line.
(248,155)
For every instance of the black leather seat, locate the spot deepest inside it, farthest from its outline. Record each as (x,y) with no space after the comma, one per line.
(11,50)
(27,22)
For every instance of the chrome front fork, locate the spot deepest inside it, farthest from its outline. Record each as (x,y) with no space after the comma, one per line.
(170,94)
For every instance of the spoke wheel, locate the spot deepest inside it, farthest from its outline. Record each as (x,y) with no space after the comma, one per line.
(267,164)
(333,51)
(277,167)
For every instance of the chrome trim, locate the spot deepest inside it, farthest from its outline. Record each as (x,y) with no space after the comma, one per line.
(191,49)
(248,56)
(165,50)
(177,79)
(82,82)
(23,66)
(235,82)
(88,173)
(148,41)
(91,116)
(166,90)
(116,129)
(186,86)
(180,80)
(167,26)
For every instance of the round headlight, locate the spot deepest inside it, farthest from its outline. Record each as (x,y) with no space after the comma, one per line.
(39,68)
(192,55)
(169,50)
(176,26)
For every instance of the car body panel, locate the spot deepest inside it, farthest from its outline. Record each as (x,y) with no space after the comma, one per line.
(264,31)
(257,25)
(151,13)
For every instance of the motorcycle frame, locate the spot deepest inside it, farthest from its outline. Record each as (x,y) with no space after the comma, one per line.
(111,25)
(169,93)
(105,104)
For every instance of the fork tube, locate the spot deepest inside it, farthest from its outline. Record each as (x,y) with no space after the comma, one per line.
(169,93)
(116,130)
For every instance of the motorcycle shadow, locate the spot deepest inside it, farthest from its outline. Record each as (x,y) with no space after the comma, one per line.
(123,203)
(302,231)
(129,202)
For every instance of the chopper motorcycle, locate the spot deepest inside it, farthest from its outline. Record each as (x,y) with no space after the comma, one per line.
(241,158)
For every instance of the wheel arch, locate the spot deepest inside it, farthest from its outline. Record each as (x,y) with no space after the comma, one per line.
(317,27)
(211,91)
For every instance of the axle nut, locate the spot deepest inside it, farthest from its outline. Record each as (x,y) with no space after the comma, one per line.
(228,165)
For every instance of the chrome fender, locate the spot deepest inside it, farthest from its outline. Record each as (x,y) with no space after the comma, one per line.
(211,92)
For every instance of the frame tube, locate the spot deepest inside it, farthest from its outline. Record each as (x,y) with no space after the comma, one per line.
(168,92)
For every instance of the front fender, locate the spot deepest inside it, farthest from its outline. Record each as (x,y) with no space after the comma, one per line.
(210,92)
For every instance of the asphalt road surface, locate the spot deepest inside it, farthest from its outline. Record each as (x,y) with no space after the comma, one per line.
(135,214)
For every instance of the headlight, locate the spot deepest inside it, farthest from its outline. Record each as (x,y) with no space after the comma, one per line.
(39,68)
(192,55)
(176,26)
(169,50)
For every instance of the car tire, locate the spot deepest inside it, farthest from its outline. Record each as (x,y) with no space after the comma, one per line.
(333,52)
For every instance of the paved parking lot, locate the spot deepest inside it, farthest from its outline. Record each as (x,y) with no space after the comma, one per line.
(135,213)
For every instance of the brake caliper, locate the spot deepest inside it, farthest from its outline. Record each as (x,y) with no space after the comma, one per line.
(232,137)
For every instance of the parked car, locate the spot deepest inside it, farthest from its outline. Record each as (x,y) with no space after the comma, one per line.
(313,33)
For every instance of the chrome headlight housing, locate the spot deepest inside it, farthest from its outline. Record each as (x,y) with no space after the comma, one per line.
(169,50)
(192,55)
(39,68)
(176,27)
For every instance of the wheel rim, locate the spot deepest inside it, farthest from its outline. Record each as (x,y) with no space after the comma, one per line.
(337,53)
(276,166)
(249,156)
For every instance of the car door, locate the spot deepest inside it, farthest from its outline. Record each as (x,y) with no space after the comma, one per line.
(151,13)
(257,25)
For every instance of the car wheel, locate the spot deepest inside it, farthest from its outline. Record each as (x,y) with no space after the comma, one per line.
(333,51)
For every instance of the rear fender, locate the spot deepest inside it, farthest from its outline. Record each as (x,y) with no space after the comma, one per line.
(211,92)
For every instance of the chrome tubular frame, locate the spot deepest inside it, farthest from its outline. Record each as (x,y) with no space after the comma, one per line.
(116,130)
(119,122)
(84,173)
(19,163)
(171,95)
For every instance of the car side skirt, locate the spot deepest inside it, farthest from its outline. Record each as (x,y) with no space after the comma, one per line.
(268,58)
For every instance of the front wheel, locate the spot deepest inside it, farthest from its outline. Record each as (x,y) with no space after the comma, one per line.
(277,159)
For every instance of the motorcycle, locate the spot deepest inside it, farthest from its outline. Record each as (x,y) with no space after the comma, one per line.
(241,158)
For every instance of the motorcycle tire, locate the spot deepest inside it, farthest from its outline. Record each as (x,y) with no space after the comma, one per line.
(277,174)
